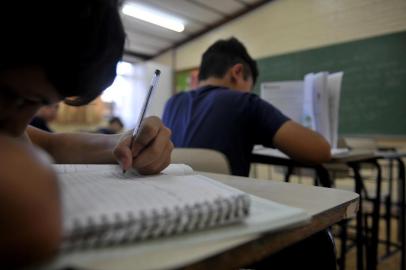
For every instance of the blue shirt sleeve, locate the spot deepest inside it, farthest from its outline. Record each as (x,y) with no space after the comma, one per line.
(264,120)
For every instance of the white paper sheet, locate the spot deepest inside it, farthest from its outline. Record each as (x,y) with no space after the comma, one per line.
(287,96)
(334,88)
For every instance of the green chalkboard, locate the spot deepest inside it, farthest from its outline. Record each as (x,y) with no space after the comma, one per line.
(373,97)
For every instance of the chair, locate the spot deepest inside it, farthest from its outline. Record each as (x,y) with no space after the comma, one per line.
(206,160)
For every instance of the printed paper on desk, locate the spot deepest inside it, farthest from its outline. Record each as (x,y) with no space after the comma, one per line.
(334,88)
(286,96)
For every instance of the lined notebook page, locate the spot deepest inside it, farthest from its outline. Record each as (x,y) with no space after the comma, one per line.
(172,169)
(102,195)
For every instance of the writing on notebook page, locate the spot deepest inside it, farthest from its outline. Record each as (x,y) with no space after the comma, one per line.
(106,206)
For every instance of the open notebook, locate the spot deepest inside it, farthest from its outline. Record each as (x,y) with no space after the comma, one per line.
(93,191)
(103,206)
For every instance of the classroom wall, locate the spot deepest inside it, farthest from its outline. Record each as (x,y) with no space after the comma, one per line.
(284,26)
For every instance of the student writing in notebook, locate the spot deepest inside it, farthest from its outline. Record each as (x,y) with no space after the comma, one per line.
(52,52)
(222,114)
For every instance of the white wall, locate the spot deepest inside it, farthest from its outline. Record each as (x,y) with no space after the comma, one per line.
(284,26)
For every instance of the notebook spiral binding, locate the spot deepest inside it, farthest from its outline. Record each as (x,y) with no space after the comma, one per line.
(131,227)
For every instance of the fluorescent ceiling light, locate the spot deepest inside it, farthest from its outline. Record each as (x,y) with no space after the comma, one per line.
(153,16)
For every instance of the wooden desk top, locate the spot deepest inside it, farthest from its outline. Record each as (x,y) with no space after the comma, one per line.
(296,195)
(327,207)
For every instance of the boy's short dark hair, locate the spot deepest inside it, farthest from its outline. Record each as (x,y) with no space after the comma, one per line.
(76,42)
(222,55)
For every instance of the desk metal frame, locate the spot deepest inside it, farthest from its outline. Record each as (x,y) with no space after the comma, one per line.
(371,244)
(392,156)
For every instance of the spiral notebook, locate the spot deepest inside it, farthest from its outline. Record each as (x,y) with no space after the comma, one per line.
(102,206)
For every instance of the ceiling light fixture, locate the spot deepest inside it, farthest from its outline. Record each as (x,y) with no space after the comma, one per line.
(153,16)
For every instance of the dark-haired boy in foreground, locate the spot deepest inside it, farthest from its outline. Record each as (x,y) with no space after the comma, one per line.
(51,52)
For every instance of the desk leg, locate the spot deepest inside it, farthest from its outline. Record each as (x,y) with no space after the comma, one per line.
(359,229)
(323,176)
(388,208)
(372,255)
(343,236)
(288,173)
(402,212)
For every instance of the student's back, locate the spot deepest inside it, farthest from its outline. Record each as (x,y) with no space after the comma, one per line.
(222,119)
(223,114)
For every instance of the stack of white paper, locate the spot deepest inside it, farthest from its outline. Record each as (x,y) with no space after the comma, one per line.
(286,96)
(334,88)
(313,102)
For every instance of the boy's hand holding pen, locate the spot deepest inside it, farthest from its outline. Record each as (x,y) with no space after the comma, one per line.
(148,148)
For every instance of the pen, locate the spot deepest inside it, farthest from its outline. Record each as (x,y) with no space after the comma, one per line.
(141,116)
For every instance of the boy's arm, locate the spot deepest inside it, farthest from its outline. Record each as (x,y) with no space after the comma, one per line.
(151,150)
(75,147)
(30,227)
(302,144)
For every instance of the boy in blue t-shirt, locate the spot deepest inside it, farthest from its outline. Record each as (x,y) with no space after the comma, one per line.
(222,113)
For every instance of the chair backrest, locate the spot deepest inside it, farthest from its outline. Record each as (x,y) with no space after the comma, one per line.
(206,160)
